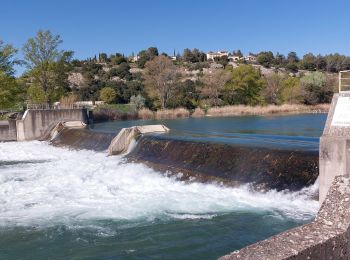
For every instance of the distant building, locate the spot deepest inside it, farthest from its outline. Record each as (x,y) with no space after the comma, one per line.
(135,58)
(250,58)
(174,58)
(211,55)
(234,58)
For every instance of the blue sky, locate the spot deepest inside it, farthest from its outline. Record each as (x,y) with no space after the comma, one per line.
(89,27)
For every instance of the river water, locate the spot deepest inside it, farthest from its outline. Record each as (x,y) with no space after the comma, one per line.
(57,203)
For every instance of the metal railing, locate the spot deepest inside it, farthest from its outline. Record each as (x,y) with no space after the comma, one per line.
(344,81)
(46,106)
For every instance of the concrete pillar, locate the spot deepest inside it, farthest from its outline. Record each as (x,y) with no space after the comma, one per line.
(335,144)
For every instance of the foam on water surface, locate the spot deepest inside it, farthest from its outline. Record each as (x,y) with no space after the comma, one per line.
(43,185)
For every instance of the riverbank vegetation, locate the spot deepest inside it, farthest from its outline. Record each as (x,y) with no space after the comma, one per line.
(156,85)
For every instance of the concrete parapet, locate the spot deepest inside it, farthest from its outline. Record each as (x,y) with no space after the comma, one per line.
(121,142)
(327,237)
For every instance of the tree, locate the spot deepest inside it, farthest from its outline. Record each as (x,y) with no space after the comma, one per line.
(117,59)
(193,56)
(185,95)
(36,94)
(160,78)
(291,91)
(308,62)
(10,92)
(292,62)
(265,58)
(89,90)
(237,53)
(137,101)
(187,55)
(102,57)
(321,63)
(123,71)
(214,83)
(223,60)
(245,86)
(152,52)
(292,57)
(147,55)
(47,65)
(280,60)
(314,88)
(273,88)
(7,59)
(108,95)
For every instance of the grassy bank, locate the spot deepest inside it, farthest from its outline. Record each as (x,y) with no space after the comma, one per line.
(264,110)
(125,112)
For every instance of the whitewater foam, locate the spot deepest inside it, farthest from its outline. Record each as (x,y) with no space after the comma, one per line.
(46,185)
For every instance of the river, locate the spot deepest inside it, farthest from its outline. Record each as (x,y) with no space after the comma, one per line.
(61,203)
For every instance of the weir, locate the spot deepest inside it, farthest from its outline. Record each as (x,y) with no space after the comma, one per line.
(232,164)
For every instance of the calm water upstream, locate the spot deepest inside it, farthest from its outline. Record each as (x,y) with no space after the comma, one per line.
(57,203)
(279,131)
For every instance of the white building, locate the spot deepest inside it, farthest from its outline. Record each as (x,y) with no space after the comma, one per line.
(211,55)
(135,58)
(234,58)
(250,58)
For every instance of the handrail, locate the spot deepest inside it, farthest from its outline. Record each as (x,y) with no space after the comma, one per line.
(54,106)
(341,80)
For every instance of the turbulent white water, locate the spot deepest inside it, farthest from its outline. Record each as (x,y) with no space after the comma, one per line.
(45,185)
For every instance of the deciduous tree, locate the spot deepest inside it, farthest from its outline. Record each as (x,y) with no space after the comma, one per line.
(47,64)
(245,86)
(214,83)
(108,95)
(160,78)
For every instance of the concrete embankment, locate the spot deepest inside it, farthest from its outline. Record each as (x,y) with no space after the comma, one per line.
(233,164)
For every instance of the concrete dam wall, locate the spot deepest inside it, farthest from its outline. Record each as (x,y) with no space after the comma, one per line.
(8,131)
(37,124)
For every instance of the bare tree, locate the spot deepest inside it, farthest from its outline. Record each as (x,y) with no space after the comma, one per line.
(273,87)
(160,78)
(214,83)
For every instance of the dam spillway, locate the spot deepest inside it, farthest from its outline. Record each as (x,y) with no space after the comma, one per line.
(72,194)
(264,168)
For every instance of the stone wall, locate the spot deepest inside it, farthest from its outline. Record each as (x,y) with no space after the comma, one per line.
(327,237)
(36,124)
